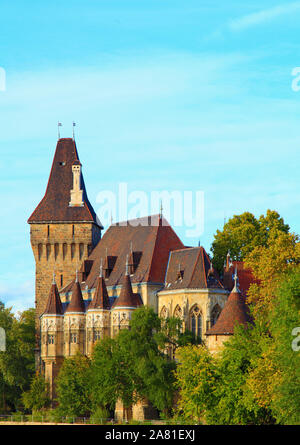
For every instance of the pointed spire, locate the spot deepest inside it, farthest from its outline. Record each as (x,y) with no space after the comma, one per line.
(235,278)
(127,298)
(100,299)
(76,304)
(54,306)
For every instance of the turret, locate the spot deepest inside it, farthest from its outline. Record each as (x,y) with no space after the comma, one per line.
(98,313)
(125,304)
(235,312)
(52,337)
(74,322)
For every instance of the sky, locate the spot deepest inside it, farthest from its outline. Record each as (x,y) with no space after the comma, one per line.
(183,95)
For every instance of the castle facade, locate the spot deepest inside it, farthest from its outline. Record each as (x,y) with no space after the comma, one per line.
(88,285)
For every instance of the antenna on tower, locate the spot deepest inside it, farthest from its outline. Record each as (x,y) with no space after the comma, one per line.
(59,124)
(74,125)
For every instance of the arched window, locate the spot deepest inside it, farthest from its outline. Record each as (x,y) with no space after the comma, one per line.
(196,321)
(178,312)
(215,313)
(164,312)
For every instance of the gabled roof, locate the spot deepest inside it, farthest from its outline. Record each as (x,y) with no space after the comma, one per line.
(54,207)
(234,312)
(54,306)
(153,237)
(76,304)
(190,268)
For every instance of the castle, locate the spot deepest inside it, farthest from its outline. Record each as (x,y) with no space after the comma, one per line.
(99,281)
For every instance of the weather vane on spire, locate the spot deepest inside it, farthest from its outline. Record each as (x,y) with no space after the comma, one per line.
(59,124)
(74,125)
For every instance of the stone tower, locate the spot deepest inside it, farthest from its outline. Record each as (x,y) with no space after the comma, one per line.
(52,337)
(64,228)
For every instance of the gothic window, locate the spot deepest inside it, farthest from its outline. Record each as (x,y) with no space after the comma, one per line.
(50,339)
(215,314)
(97,335)
(196,321)
(73,337)
(178,312)
(61,280)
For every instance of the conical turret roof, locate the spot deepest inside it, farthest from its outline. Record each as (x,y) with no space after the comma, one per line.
(127,298)
(54,306)
(76,304)
(235,312)
(101,299)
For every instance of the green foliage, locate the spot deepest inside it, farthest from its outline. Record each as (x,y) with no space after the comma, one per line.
(133,365)
(73,387)
(110,374)
(284,317)
(242,233)
(37,397)
(17,364)
(197,379)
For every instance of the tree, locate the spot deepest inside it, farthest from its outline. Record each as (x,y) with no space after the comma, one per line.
(111,377)
(17,362)
(197,379)
(268,264)
(37,397)
(133,365)
(276,379)
(73,386)
(242,233)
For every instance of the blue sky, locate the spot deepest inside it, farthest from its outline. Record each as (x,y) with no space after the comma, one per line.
(166,94)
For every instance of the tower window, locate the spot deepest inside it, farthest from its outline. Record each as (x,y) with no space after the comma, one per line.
(48,230)
(73,338)
(50,339)
(61,280)
(73,230)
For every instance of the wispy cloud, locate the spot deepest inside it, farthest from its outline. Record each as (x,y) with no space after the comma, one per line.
(263,16)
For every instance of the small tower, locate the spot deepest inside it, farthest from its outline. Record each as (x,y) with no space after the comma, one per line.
(52,337)
(235,312)
(64,228)
(98,314)
(125,304)
(74,322)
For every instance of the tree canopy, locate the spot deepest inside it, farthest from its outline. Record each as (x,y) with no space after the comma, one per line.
(241,234)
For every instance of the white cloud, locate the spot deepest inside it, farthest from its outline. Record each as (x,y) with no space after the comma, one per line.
(263,16)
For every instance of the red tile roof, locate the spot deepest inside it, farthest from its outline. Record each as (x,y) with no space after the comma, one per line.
(154,242)
(54,306)
(54,207)
(194,264)
(234,312)
(76,304)
(127,298)
(245,277)
(101,299)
